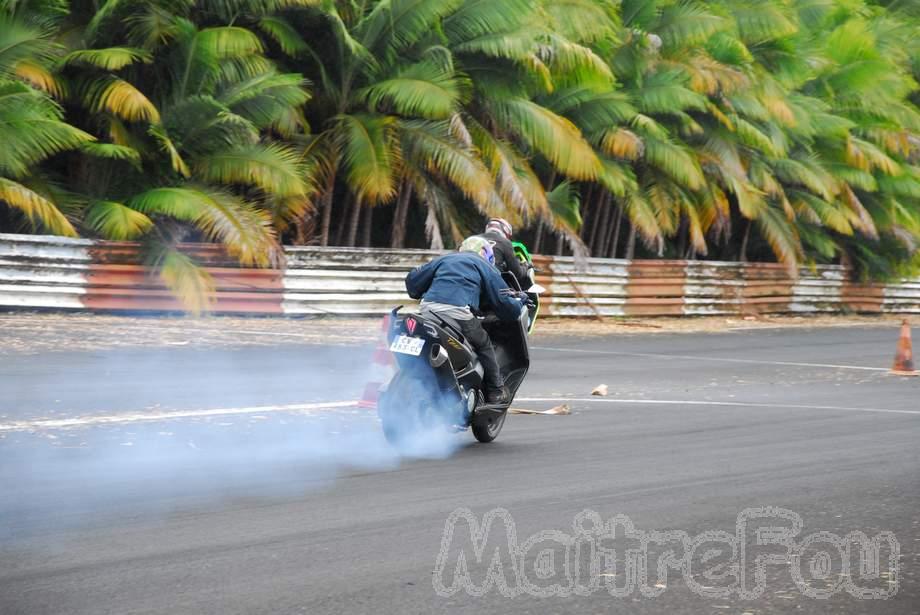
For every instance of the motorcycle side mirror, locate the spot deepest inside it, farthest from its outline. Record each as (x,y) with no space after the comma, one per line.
(536,289)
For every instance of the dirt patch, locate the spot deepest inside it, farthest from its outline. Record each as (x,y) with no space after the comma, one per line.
(35,333)
(707,324)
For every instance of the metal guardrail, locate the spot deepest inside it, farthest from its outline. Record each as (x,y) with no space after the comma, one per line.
(60,273)
(44,272)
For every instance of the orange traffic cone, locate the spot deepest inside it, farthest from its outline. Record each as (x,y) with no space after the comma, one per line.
(382,368)
(904,359)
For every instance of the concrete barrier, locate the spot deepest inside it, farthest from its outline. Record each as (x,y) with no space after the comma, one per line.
(77,274)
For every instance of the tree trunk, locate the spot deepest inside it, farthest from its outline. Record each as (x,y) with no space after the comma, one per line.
(366,227)
(599,239)
(742,256)
(598,219)
(590,213)
(342,226)
(398,234)
(560,244)
(538,238)
(683,234)
(616,233)
(353,223)
(609,225)
(631,243)
(327,211)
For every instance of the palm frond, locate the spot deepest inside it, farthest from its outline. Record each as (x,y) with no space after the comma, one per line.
(517,183)
(31,129)
(116,221)
(617,178)
(762,22)
(665,92)
(170,149)
(867,156)
(574,63)
(425,89)
(477,18)
(42,78)
(103,13)
(431,146)
(191,283)
(750,135)
(369,154)
(120,98)
(583,21)
(555,137)
(112,58)
(805,173)
(830,215)
(686,24)
(113,151)
(675,161)
(622,143)
(642,216)
(395,25)
(201,125)
(267,98)
(565,205)
(244,230)
(38,209)
(284,34)
(781,235)
(211,54)
(273,168)
(21,42)
(862,219)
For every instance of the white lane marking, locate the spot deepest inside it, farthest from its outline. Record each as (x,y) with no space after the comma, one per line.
(715,359)
(696,402)
(137,417)
(159,328)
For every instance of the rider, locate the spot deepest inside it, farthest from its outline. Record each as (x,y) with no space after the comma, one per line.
(498,232)
(450,286)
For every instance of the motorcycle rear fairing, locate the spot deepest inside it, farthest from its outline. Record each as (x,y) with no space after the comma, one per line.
(461,367)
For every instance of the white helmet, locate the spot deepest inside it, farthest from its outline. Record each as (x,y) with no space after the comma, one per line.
(499,225)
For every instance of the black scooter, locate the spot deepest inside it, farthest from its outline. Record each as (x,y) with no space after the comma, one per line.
(439,382)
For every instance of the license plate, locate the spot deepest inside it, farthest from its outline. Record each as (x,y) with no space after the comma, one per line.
(408,345)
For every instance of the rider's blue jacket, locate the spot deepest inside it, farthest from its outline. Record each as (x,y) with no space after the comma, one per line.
(462,279)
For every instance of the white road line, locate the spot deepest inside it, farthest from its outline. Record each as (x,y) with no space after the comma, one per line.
(696,402)
(109,419)
(715,359)
(186,330)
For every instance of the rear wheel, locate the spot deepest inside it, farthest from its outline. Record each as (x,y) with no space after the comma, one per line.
(487,427)
(408,407)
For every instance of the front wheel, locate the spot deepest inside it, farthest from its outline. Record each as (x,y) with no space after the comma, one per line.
(487,427)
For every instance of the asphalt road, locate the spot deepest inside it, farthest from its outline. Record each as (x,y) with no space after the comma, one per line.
(277,504)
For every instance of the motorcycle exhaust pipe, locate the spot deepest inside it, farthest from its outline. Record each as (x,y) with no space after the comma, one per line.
(437,356)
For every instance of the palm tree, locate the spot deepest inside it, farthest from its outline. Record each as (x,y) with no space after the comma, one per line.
(32,126)
(192,123)
(771,130)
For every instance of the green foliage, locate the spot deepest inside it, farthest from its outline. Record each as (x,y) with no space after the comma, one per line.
(765,130)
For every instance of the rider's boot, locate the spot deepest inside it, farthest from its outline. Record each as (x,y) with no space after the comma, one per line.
(498,396)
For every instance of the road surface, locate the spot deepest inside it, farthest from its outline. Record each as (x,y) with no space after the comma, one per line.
(241,480)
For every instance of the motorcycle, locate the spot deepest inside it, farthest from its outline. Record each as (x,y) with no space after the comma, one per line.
(439,378)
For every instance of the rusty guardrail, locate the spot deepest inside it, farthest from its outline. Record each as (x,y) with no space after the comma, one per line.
(77,274)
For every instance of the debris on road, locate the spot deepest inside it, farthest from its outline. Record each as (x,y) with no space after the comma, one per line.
(600,390)
(557,410)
